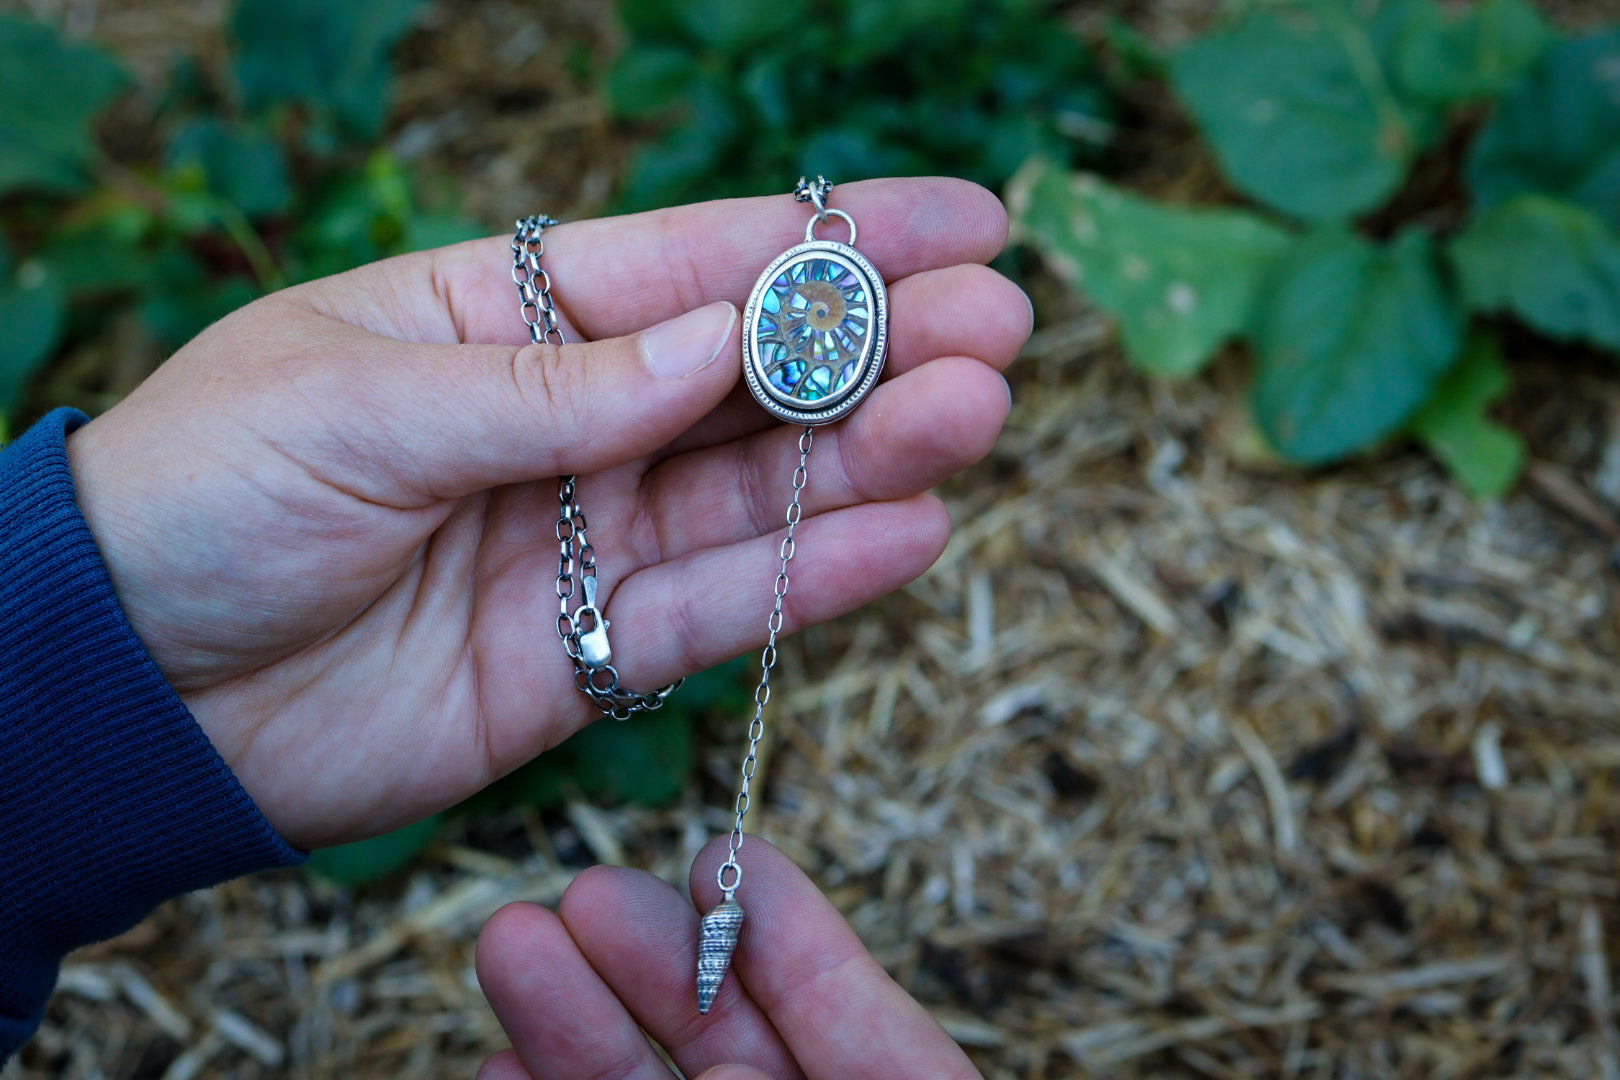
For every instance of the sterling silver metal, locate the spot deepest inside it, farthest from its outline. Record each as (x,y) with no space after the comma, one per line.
(583,630)
(874,343)
(721,926)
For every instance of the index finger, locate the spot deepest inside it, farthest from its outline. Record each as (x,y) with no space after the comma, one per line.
(617,275)
(828,997)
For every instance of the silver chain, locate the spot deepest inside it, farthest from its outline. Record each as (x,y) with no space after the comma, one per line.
(583,630)
(730,873)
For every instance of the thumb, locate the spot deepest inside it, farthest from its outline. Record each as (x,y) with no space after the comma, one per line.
(448,420)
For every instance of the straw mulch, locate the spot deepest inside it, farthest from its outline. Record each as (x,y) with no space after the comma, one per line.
(1176,765)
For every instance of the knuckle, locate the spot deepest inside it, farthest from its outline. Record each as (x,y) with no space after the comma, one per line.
(545,384)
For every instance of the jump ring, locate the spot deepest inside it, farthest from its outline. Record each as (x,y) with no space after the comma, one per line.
(810,229)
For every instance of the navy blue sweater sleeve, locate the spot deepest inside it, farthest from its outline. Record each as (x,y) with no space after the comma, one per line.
(111,797)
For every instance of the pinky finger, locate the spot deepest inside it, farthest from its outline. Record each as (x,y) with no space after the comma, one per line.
(506,1066)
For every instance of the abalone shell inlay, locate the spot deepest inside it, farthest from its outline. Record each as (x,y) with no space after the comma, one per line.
(814,318)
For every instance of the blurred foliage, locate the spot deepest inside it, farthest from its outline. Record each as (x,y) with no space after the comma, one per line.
(647,760)
(241,183)
(1366,291)
(743,90)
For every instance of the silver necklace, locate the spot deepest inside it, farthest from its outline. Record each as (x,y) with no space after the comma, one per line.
(815,336)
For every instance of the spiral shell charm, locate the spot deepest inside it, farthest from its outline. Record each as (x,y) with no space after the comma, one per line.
(716,942)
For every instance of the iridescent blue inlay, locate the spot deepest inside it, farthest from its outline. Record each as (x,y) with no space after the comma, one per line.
(814,317)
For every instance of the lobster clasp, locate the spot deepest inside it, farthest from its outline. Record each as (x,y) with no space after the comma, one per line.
(594,648)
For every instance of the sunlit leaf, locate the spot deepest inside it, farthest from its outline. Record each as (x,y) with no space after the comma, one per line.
(1181,282)
(1300,110)
(1455,426)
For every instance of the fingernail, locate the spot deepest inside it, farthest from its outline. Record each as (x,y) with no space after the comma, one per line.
(1031,304)
(688,343)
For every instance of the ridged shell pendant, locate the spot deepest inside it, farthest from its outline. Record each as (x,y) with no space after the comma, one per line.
(717,940)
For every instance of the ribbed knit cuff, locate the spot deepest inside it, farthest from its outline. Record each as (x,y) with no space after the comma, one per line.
(111,797)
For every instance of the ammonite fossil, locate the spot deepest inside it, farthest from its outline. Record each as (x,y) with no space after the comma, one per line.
(814,334)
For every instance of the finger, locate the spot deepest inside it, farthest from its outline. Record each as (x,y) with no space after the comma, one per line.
(673,626)
(914,432)
(641,936)
(411,424)
(832,1002)
(733,1072)
(563,1021)
(689,613)
(503,1066)
(614,276)
(965,310)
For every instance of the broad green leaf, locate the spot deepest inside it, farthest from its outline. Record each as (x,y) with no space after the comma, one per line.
(1473,54)
(242,166)
(1181,282)
(33,309)
(1300,110)
(1557,131)
(1350,341)
(645,760)
(737,27)
(330,57)
(1553,264)
(648,80)
(1455,426)
(51,91)
(368,860)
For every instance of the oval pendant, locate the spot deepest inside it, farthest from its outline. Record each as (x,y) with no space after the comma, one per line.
(815,332)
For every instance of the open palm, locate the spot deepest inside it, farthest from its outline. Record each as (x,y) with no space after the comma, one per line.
(330,517)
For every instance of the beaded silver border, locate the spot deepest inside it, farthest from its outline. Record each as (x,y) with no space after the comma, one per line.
(873,355)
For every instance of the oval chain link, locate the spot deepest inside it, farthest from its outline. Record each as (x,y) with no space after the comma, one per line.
(729,875)
(576,559)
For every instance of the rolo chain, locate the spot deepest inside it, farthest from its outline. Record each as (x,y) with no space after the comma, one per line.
(729,875)
(584,629)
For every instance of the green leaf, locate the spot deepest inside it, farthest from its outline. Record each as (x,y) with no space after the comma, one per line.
(33,310)
(735,28)
(1484,456)
(1551,263)
(329,57)
(1181,282)
(1300,111)
(369,860)
(1557,131)
(1473,54)
(51,91)
(241,166)
(1349,343)
(648,80)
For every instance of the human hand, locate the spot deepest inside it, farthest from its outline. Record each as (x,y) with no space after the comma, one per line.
(332,523)
(804,999)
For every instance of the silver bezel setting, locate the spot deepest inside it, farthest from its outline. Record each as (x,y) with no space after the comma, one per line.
(873,353)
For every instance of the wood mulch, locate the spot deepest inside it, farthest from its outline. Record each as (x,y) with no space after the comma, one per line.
(1176,764)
